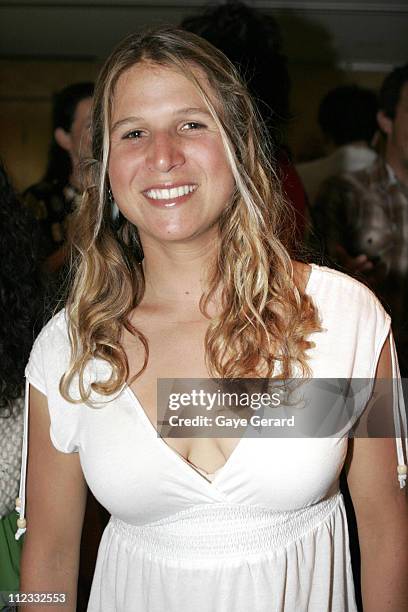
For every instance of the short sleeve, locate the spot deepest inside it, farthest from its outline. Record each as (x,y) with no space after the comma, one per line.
(384,412)
(35,372)
(355,328)
(49,360)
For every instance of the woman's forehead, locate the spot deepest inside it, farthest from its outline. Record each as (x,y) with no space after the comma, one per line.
(146,74)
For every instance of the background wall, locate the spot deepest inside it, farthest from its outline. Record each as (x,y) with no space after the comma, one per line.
(309,85)
(25,111)
(47,45)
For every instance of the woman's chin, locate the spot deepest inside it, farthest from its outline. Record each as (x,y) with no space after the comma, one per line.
(176,234)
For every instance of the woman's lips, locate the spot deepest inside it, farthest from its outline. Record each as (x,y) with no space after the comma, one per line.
(171,195)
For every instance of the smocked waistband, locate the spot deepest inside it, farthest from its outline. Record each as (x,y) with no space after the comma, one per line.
(224,530)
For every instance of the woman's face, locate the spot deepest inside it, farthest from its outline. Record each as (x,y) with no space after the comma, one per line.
(168,168)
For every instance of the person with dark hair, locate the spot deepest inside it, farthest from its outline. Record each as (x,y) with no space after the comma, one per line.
(391,94)
(347,118)
(362,217)
(20,318)
(252,40)
(54,197)
(52,201)
(348,114)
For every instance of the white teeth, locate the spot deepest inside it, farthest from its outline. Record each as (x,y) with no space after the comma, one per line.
(167,194)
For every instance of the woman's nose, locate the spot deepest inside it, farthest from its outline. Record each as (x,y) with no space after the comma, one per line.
(164,153)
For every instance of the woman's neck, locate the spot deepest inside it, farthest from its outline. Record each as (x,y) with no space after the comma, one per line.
(176,274)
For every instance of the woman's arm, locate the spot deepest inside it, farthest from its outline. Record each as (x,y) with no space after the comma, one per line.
(381,510)
(56,495)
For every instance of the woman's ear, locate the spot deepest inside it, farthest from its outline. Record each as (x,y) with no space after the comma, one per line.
(384,122)
(63,139)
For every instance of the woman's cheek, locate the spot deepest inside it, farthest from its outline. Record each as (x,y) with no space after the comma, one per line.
(120,168)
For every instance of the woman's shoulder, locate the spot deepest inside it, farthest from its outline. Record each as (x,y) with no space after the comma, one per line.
(354,325)
(52,343)
(329,284)
(56,329)
(343,299)
(331,287)
(50,354)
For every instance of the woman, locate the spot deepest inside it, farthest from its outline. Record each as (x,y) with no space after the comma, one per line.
(20,306)
(191,280)
(54,197)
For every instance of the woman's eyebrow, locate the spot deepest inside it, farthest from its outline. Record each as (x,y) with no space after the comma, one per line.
(122,122)
(188,110)
(192,109)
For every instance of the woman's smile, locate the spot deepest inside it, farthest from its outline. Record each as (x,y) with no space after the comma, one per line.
(170,195)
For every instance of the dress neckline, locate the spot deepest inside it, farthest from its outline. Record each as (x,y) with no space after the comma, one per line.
(173,452)
(200,472)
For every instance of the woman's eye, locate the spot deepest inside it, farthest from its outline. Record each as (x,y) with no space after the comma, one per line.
(193,125)
(134,134)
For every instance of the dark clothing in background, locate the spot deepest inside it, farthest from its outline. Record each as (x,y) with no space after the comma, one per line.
(294,192)
(366,212)
(51,204)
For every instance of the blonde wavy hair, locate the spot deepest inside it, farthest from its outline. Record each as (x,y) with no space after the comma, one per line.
(264,319)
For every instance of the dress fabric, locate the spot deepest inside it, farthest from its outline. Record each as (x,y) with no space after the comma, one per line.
(268,534)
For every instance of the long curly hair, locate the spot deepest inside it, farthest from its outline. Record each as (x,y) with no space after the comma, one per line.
(264,319)
(20,292)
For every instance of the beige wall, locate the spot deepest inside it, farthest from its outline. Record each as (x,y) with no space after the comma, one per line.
(25,107)
(309,85)
(25,112)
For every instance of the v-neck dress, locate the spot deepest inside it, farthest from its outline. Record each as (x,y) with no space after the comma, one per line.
(268,534)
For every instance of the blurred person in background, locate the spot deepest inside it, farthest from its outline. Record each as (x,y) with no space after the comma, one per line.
(362,217)
(347,118)
(54,197)
(252,40)
(20,311)
(52,200)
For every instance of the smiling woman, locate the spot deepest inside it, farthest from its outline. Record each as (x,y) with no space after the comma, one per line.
(192,280)
(168,168)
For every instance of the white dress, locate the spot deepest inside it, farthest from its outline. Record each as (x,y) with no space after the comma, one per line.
(267,534)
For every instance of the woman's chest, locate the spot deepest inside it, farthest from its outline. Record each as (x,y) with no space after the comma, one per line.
(140,478)
(176,365)
(176,359)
